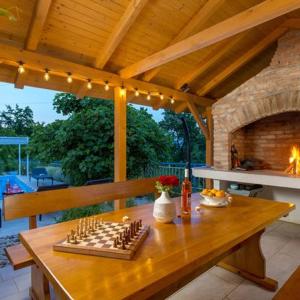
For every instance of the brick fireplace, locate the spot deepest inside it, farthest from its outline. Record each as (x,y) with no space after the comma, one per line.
(262,116)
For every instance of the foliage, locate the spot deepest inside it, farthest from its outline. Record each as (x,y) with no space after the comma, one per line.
(19,120)
(173,125)
(84,142)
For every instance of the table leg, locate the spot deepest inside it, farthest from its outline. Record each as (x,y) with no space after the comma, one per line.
(39,285)
(249,262)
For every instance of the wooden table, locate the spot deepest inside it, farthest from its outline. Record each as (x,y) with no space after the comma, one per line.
(171,256)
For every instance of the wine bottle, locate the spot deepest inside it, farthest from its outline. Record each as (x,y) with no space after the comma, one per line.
(186,192)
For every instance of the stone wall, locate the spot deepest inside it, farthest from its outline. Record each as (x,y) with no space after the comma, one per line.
(274,90)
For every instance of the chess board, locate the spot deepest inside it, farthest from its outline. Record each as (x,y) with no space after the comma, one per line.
(101,242)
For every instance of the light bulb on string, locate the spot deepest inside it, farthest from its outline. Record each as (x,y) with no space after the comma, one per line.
(172,100)
(21,68)
(46,75)
(161,96)
(122,91)
(149,96)
(137,93)
(106,85)
(69,78)
(89,84)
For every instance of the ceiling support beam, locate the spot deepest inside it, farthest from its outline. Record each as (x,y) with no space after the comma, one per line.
(131,13)
(19,82)
(37,24)
(180,107)
(242,60)
(194,25)
(60,67)
(82,91)
(120,124)
(193,109)
(206,63)
(259,14)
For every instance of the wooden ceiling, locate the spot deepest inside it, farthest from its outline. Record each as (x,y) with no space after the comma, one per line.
(154,46)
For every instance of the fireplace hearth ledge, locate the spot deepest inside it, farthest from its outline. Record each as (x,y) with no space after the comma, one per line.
(263,177)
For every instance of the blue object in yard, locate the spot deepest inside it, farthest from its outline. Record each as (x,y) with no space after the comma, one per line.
(40,173)
(12,181)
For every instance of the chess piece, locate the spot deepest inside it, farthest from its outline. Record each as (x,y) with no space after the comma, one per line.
(140,221)
(115,243)
(68,238)
(123,245)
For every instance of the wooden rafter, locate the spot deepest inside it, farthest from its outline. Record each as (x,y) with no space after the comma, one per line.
(194,25)
(82,91)
(208,61)
(193,109)
(128,18)
(38,62)
(242,60)
(37,23)
(180,107)
(259,14)
(19,81)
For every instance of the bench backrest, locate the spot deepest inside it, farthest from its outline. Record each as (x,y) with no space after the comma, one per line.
(32,204)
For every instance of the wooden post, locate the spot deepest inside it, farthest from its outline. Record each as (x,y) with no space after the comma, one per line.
(120,121)
(209,145)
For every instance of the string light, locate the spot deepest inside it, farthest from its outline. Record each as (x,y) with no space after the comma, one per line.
(46,75)
(137,93)
(106,86)
(161,96)
(172,100)
(21,68)
(69,78)
(149,96)
(89,84)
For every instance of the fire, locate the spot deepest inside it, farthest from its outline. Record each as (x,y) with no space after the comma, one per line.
(294,167)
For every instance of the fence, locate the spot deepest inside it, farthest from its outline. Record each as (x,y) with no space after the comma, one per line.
(170,168)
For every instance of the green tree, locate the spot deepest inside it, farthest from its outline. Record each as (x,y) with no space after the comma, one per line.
(18,119)
(172,124)
(85,141)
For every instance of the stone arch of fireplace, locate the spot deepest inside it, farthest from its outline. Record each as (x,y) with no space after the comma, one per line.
(248,112)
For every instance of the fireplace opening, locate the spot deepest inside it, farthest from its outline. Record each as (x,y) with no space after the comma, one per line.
(270,143)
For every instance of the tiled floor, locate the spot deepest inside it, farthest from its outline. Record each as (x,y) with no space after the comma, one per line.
(280,244)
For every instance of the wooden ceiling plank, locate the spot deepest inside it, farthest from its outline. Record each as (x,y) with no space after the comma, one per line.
(82,91)
(209,61)
(249,18)
(116,37)
(180,107)
(193,109)
(242,60)
(39,62)
(197,21)
(37,24)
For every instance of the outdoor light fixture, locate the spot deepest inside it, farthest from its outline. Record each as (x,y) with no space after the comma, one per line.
(161,96)
(172,100)
(69,78)
(106,86)
(21,68)
(46,75)
(122,91)
(137,93)
(89,84)
(149,96)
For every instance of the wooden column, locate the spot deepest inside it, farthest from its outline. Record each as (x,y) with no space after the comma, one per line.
(209,144)
(120,121)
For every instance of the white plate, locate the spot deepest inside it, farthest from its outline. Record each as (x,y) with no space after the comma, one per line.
(224,203)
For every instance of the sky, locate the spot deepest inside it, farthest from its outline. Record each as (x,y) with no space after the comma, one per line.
(40,101)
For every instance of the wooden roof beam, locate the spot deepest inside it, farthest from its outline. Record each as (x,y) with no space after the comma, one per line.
(259,14)
(194,25)
(131,13)
(39,62)
(193,109)
(38,20)
(19,81)
(242,60)
(207,62)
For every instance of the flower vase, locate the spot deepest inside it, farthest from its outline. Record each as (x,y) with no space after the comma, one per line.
(164,209)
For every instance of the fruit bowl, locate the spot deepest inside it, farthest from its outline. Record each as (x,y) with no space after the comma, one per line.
(216,197)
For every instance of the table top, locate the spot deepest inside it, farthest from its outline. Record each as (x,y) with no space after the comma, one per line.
(170,252)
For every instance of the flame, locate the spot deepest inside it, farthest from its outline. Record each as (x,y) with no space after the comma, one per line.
(295,160)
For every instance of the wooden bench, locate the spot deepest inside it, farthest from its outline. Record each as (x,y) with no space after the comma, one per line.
(33,204)
(291,289)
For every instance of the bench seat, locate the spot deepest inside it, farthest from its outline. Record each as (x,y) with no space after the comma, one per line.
(18,256)
(291,289)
